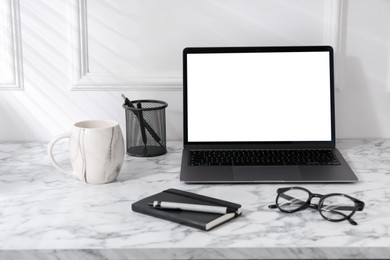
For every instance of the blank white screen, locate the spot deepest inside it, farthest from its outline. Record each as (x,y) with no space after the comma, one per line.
(273,96)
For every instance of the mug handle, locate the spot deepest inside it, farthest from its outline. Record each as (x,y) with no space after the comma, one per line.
(50,152)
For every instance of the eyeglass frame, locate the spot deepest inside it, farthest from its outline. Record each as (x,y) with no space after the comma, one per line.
(359,205)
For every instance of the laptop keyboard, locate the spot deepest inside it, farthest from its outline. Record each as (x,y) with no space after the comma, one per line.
(262,157)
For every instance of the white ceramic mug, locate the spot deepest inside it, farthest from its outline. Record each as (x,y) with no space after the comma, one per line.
(96,151)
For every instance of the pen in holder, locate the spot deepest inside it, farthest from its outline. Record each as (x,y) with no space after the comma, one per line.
(145,127)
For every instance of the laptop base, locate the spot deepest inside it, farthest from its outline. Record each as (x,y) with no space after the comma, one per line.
(267,174)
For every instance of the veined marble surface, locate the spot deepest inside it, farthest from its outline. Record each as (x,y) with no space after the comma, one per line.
(46,214)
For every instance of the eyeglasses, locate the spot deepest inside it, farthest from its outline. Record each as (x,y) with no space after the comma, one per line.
(334,207)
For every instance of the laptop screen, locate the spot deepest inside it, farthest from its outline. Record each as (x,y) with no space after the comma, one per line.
(259,95)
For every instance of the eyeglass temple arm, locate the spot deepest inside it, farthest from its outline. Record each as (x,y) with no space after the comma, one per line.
(297,201)
(315,206)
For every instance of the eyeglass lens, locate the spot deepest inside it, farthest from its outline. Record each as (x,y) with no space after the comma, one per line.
(336,207)
(292,199)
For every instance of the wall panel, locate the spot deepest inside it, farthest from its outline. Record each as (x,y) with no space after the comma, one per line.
(137,44)
(11,70)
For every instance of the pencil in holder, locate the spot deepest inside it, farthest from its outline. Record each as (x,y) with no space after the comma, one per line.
(145,128)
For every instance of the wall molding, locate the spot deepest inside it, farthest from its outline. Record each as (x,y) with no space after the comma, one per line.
(388,68)
(18,83)
(84,79)
(388,74)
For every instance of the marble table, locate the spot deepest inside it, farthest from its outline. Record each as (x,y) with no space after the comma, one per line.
(45,214)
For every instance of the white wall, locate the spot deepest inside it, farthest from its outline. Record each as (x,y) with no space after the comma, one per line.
(63,61)
(363,104)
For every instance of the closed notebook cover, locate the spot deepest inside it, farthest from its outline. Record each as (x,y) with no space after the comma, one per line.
(201,220)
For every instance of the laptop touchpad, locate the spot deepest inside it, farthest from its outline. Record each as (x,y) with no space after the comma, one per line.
(266,173)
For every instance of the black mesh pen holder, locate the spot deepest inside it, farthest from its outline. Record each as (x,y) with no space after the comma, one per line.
(146,128)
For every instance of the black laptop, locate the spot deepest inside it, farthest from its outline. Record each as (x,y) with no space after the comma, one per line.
(260,114)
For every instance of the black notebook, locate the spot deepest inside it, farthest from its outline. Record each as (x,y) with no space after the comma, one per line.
(201,220)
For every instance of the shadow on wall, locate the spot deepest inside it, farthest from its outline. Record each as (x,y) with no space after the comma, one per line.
(356,115)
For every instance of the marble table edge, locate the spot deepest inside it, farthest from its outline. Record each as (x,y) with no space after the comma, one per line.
(202,253)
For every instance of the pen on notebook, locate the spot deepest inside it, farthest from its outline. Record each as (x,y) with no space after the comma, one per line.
(191,207)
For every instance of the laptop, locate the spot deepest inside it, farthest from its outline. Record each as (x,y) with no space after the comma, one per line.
(260,115)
